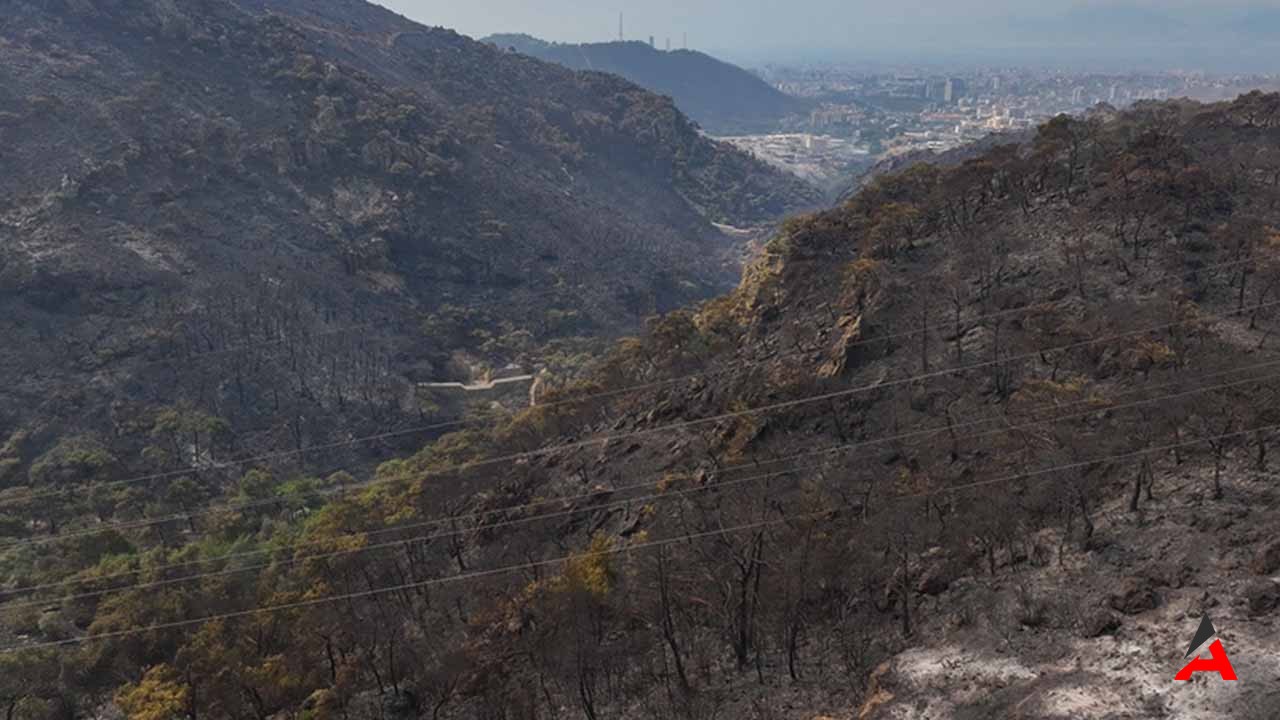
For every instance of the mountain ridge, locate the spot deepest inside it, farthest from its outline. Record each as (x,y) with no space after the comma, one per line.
(723,98)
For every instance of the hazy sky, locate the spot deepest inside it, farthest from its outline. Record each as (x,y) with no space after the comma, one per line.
(1223,33)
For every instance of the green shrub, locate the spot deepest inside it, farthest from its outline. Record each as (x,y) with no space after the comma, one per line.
(78,459)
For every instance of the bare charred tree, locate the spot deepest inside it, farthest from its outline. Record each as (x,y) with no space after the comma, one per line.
(956,291)
(1220,424)
(1077,251)
(1241,239)
(924,299)
(666,620)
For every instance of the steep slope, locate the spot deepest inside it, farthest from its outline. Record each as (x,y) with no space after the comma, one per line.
(1019,410)
(723,98)
(323,202)
(946,159)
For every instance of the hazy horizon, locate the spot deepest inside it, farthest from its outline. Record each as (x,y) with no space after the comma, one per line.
(1232,36)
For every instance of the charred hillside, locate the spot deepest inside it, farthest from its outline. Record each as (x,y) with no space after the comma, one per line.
(1019,409)
(274,217)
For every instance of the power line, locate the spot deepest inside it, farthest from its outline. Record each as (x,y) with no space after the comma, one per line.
(474,575)
(610,505)
(753,464)
(734,367)
(282,454)
(588,496)
(407,541)
(1033,355)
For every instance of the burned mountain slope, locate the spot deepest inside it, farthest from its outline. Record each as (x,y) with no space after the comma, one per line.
(319,222)
(971,405)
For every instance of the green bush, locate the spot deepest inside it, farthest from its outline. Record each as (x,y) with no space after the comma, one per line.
(78,459)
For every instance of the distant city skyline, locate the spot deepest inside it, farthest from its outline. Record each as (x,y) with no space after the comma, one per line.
(1223,35)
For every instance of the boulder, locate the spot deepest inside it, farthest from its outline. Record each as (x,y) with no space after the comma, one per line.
(1171,573)
(1267,559)
(1263,596)
(937,579)
(1098,623)
(403,704)
(1133,596)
